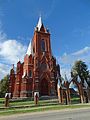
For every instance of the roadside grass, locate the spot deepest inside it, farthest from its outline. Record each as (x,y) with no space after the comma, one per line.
(38,108)
(25,106)
(29,103)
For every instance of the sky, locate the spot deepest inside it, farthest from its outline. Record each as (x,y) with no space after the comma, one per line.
(68,22)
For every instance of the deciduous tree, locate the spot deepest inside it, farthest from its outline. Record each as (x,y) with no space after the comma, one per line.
(80,68)
(4,86)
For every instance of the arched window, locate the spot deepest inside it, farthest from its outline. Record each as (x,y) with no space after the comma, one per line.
(43,45)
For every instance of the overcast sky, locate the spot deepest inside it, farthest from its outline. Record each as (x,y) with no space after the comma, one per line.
(67,20)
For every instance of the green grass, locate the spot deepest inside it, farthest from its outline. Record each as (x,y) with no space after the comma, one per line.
(1,99)
(22,106)
(10,111)
(28,102)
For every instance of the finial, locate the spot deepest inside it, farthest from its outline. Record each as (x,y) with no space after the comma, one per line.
(13,66)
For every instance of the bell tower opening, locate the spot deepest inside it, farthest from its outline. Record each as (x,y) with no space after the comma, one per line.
(43,45)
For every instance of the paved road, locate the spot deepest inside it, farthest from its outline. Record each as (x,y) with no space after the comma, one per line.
(79,114)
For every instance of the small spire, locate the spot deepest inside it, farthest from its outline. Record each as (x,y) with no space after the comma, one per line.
(66,79)
(39,25)
(29,50)
(24,74)
(13,66)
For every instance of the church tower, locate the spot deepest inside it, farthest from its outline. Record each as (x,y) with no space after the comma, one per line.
(44,63)
(38,71)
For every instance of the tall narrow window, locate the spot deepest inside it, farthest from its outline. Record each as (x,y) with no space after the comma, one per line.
(30,73)
(43,45)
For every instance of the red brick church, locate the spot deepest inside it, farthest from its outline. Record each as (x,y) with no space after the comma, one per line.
(38,72)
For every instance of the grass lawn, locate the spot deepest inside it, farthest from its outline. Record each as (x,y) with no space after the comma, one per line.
(43,105)
(28,102)
(10,111)
(1,99)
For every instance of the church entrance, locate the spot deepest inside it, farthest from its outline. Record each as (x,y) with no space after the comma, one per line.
(44,87)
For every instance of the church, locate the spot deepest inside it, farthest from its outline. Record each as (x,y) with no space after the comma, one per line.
(38,72)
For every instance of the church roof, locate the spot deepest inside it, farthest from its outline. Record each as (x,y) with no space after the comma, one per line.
(39,25)
(29,50)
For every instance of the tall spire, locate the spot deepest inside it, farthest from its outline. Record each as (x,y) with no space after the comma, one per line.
(39,25)
(29,50)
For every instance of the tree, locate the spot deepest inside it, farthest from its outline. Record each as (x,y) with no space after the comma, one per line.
(4,86)
(88,80)
(80,68)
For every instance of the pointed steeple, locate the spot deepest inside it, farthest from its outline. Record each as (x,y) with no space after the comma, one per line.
(39,25)
(29,50)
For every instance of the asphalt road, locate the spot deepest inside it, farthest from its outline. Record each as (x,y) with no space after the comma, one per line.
(77,114)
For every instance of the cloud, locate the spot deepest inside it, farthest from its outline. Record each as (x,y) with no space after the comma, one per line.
(4,70)
(10,52)
(66,61)
(3,36)
(83,51)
